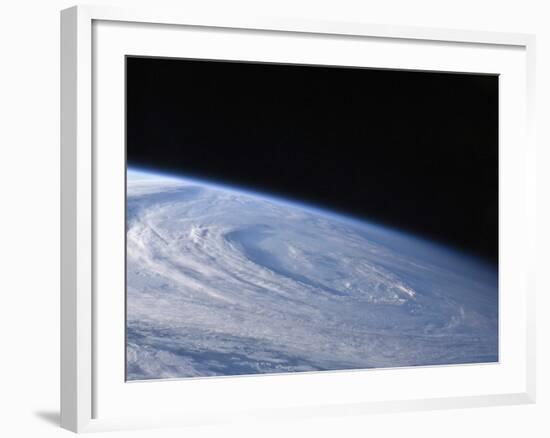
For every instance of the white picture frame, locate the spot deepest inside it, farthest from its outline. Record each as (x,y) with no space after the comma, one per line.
(92,393)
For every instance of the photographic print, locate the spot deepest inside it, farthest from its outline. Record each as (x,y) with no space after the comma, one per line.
(286,218)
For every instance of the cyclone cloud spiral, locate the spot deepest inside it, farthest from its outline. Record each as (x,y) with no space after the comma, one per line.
(221,281)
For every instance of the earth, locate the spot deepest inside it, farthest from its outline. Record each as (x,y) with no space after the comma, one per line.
(222,281)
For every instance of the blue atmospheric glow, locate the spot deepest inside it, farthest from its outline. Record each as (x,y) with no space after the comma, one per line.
(421,244)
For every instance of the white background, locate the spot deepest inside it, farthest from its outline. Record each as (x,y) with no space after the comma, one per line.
(29,218)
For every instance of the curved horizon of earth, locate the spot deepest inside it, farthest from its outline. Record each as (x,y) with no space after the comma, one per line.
(226,282)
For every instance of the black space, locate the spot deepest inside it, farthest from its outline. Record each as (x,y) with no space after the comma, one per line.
(414,150)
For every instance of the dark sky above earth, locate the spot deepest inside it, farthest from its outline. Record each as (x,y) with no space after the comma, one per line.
(416,151)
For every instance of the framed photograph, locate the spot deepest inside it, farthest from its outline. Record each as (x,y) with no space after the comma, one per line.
(268,218)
